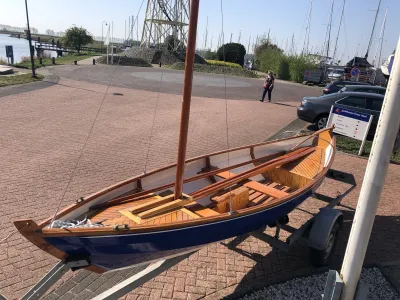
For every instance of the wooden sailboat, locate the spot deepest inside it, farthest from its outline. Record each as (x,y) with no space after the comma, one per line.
(185,206)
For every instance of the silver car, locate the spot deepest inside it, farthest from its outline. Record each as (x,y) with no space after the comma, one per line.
(336,74)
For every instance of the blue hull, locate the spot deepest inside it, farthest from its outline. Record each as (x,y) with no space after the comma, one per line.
(124,250)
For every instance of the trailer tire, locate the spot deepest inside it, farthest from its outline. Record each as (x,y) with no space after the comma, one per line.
(322,257)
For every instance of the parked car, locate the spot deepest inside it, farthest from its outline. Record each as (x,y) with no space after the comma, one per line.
(316,110)
(336,86)
(364,89)
(336,74)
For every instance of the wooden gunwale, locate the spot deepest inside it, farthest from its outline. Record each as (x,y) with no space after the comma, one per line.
(54,232)
(93,196)
(140,195)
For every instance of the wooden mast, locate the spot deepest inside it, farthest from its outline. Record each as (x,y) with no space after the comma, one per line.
(187,95)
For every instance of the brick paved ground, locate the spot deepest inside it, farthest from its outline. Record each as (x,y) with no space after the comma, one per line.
(43,134)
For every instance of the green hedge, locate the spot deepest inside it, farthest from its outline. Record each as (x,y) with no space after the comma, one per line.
(223,64)
(286,67)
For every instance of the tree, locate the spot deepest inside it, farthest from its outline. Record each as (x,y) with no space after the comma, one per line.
(77,37)
(232,52)
(264,46)
(50,32)
(34,30)
(208,54)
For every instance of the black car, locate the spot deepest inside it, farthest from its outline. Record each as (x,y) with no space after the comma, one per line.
(316,110)
(336,86)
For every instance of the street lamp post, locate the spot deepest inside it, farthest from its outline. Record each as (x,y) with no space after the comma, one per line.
(102,39)
(30,41)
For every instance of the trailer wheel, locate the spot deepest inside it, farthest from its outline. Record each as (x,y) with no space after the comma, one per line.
(321,257)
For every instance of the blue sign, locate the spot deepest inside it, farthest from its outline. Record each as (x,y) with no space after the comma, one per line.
(351,114)
(355,72)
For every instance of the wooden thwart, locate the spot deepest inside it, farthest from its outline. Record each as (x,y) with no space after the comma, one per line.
(151,204)
(159,206)
(259,187)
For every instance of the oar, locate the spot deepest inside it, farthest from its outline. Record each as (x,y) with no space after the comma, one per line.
(250,173)
(145,194)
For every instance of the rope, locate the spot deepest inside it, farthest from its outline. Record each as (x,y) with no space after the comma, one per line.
(86,141)
(226,109)
(8,236)
(154,117)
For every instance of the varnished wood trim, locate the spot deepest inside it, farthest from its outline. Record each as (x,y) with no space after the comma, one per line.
(188,212)
(215,170)
(166,207)
(31,231)
(252,172)
(151,204)
(259,187)
(135,178)
(151,228)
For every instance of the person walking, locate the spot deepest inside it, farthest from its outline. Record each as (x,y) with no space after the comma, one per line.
(268,86)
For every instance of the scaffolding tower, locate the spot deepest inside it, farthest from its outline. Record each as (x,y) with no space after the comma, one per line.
(166,19)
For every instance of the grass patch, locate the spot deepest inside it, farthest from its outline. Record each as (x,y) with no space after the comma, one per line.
(18,79)
(223,64)
(352,146)
(63,60)
(216,70)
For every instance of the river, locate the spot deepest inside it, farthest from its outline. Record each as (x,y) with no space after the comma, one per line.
(20,47)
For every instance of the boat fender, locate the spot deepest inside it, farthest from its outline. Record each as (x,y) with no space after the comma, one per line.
(322,227)
(79,200)
(121,227)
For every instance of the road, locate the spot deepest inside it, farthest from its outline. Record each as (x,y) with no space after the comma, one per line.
(171,82)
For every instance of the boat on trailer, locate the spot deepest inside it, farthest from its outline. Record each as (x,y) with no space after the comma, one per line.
(182,207)
(138,221)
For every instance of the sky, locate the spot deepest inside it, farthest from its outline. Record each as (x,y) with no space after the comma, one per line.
(283,19)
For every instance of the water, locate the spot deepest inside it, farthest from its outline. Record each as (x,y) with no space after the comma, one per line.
(20,47)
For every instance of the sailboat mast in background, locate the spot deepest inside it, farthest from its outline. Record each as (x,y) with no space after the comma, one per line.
(337,37)
(307,34)
(373,29)
(187,96)
(329,29)
(375,62)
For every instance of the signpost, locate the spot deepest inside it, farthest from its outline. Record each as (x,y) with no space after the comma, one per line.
(355,73)
(10,54)
(350,123)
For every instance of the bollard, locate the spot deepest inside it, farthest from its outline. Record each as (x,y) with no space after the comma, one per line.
(53,60)
(40,60)
(75,62)
(94,61)
(160,63)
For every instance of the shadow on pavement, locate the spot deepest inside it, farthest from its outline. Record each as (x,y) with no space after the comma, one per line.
(279,266)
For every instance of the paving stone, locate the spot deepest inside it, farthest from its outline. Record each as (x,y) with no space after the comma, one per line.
(65,287)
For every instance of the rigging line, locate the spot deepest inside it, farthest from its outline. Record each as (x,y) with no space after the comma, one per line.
(226,108)
(134,21)
(345,35)
(154,117)
(86,141)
